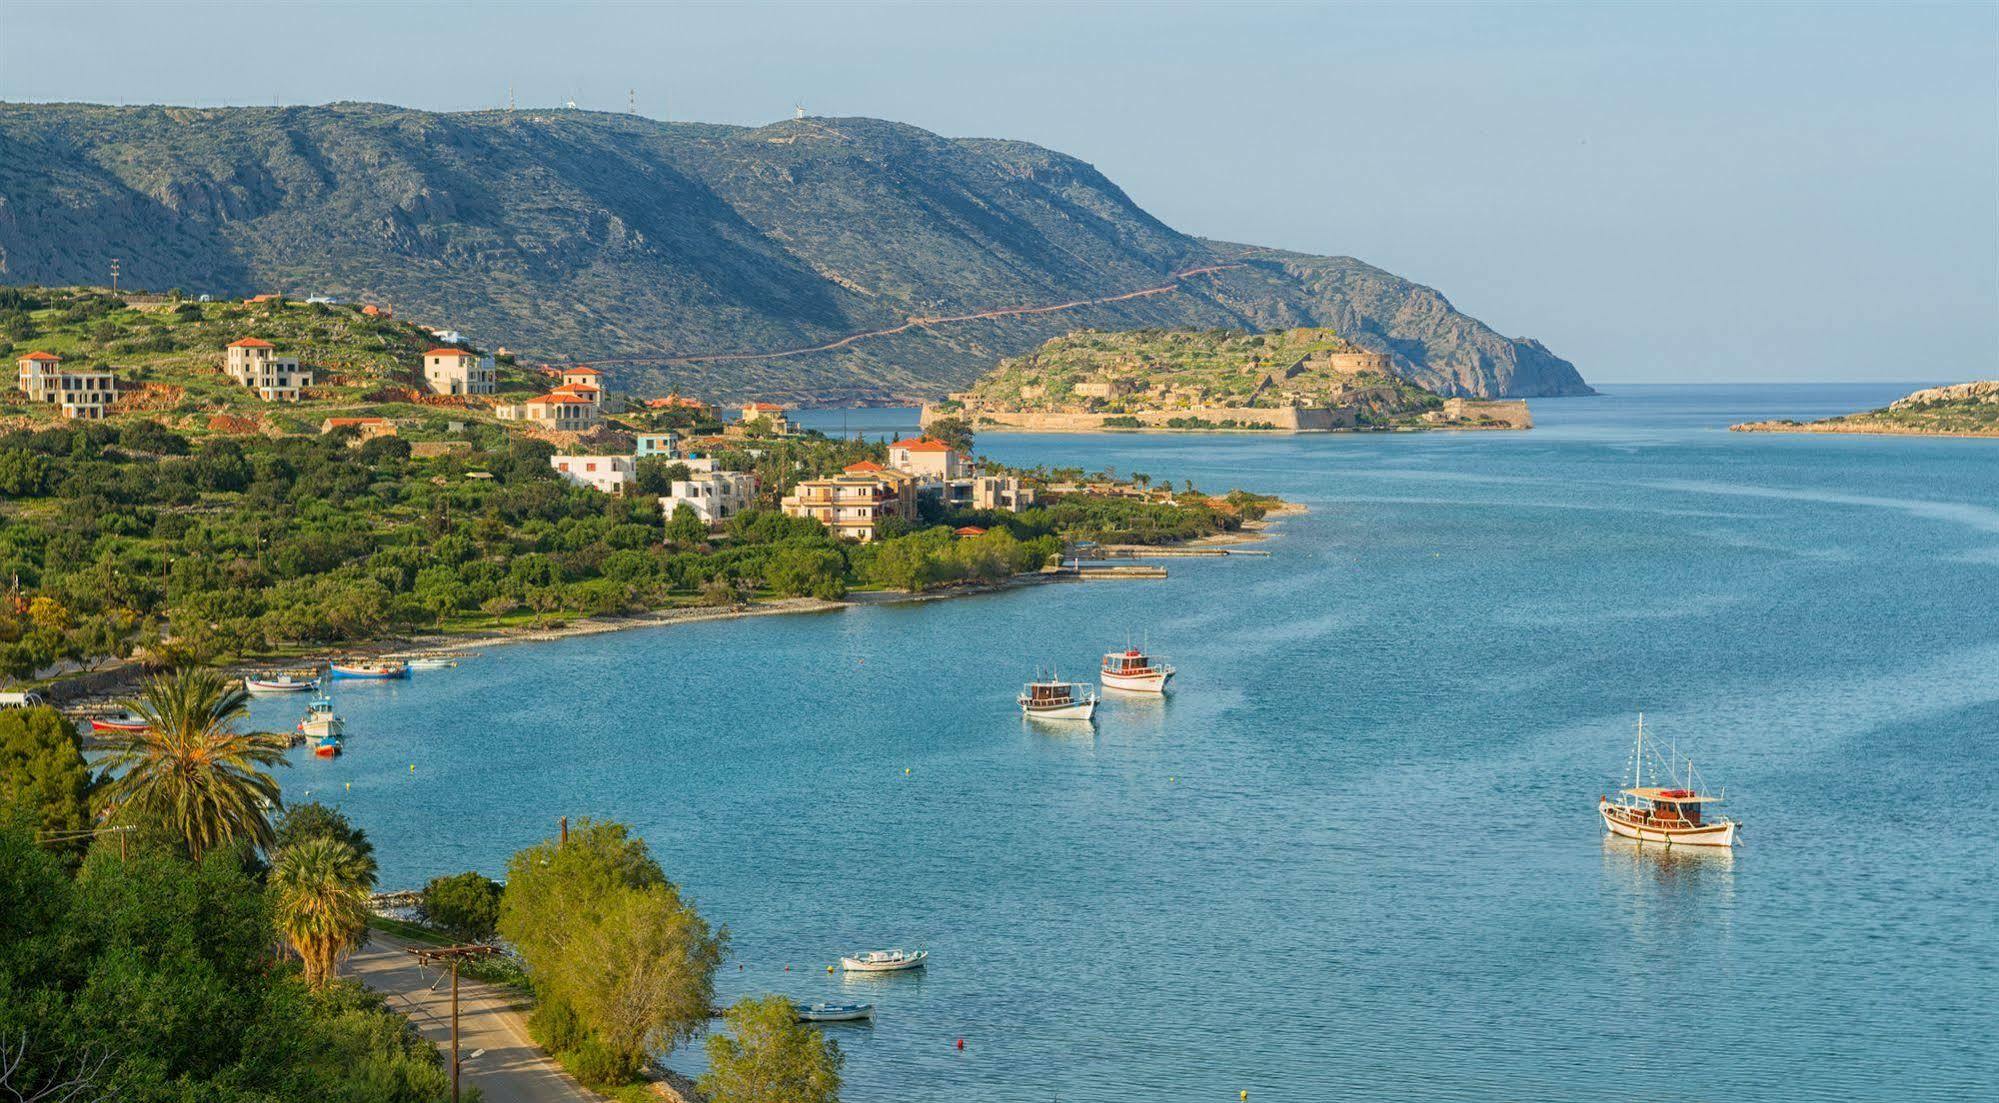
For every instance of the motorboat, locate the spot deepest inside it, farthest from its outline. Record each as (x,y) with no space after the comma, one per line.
(118,722)
(835,1012)
(326,746)
(387,668)
(1057,700)
(1674,810)
(1133,671)
(279,683)
(320,722)
(432,660)
(885,961)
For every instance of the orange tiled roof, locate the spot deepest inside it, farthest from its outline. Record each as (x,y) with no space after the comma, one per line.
(764,407)
(251,343)
(867,467)
(560,397)
(922,444)
(581,371)
(969,530)
(40,355)
(442,351)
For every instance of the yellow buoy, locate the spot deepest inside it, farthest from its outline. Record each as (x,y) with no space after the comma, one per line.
(1243,1095)
(412,767)
(350,786)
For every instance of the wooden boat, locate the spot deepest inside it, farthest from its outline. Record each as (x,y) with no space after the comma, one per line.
(387,668)
(1133,671)
(279,683)
(835,1012)
(326,746)
(320,721)
(117,722)
(1673,813)
(1056,700)
(885,961)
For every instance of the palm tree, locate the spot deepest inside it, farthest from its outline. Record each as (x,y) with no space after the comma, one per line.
(319,893)
(190,771)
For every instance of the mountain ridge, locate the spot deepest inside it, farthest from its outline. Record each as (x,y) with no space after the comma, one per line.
(572,235)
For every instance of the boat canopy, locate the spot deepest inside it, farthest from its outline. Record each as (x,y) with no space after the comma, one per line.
(1670,796)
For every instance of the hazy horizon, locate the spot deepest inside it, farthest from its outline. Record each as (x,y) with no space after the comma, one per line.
(1689,194)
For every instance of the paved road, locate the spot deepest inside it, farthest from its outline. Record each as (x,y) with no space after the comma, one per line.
(512,1070)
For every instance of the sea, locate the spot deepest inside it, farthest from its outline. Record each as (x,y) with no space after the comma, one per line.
(1355,854)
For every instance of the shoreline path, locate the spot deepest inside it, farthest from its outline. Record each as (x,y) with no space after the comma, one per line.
(511,1070)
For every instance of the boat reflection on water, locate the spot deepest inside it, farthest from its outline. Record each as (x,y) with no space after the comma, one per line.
(1668,895)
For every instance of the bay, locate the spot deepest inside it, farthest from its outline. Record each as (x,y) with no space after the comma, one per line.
(1355,855)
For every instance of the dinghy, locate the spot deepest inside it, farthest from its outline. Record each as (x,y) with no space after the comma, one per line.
(885,961)
(835,1012)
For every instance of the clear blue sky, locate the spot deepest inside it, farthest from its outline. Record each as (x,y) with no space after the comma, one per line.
(1658,191)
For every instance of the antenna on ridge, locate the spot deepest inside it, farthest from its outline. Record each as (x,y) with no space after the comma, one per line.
(510,95)
(631,101)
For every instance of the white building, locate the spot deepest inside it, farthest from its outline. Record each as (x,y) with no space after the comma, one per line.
(81,393)
(456,371)
(256,365)
(610,474)
(714,497)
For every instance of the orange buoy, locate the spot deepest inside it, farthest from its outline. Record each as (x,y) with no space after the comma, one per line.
(961,1043)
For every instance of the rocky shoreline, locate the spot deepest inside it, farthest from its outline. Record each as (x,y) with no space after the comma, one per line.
(1862,428)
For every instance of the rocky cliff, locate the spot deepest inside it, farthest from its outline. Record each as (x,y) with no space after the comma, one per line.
(585,236)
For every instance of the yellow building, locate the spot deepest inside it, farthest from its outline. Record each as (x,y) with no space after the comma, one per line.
(855,502)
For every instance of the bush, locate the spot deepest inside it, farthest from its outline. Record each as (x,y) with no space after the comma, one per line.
(598,1065)
(465,905)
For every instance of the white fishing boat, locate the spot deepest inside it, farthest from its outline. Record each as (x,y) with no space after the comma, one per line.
(1057,700)
(369,671)
(1133,671)
(834,1012)
(885,961)
(124,722)
(1672,811)
(429,660)
(262,684)
(320,721)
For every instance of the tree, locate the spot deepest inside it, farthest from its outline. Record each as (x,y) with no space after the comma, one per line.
(768,1056)
(953,431)
(319,889)
(44,782)
(608,937)
(466,905)
(686,528)
(315,820)
(189,770)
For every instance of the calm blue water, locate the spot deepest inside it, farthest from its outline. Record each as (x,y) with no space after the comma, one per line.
(1356,855)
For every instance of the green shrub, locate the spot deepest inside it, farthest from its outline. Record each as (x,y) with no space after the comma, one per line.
(464,905)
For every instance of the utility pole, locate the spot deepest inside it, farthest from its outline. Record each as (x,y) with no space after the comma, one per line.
(565,830)
(114,273)
(431,955)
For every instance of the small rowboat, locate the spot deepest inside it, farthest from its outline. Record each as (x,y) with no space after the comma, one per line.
(836,1012)
(1056,700)
(282,683)
(885,961)
(117,722)
(380,670)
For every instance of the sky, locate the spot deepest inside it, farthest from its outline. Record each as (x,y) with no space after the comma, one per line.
(1659,192)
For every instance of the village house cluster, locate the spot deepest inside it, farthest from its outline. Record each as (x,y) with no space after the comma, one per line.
(80,393)
(853,503)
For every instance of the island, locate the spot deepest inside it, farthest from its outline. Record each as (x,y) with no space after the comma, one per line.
(1187,380)
(1959,410)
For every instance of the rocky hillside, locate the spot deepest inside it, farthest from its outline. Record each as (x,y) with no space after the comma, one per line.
(589,236)
(1959,410)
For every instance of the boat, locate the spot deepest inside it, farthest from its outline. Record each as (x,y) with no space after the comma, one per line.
(835,1012)
(326,746)
(320,721)
(1056,700)
(388,668)
(1675,812)
(432,660)
(280,683)
(117,722)
(885,961)
(1133,671)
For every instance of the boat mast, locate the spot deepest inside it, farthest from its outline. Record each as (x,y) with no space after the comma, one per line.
(1638,756)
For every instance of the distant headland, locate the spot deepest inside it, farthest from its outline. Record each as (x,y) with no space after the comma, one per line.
(1187,380)
(1959,410)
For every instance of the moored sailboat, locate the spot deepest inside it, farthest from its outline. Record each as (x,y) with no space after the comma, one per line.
(1674,813)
